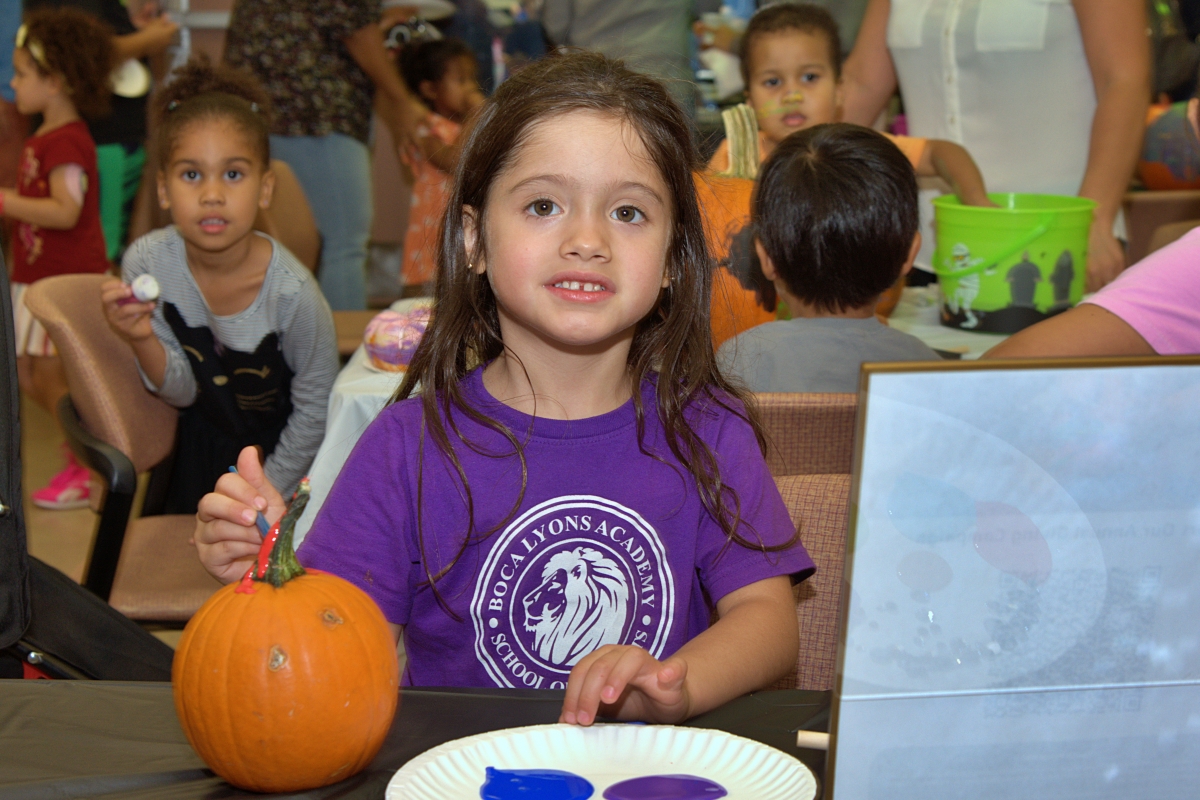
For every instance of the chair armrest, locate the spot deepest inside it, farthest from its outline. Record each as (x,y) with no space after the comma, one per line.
(114,466)
(120,478)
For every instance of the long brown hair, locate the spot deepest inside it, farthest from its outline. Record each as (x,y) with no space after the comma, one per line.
(674,340)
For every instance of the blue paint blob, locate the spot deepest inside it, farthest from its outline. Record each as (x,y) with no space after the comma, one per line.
(535,784)
(928,510)
(665,787)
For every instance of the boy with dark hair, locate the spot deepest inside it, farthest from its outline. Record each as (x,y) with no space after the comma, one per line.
(835,221)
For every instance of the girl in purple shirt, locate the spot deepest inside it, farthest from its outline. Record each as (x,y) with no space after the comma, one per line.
(566,487)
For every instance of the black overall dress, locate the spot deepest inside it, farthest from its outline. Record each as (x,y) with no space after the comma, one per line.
(242,399)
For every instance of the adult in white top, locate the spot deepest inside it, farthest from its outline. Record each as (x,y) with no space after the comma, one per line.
(1049,96)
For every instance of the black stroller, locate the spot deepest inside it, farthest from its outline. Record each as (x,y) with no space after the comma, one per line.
(50,626)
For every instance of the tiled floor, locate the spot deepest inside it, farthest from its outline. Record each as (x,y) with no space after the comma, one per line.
(62,539)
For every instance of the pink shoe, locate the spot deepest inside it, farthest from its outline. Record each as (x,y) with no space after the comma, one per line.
(68,489)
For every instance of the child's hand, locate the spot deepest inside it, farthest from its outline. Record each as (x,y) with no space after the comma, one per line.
(626,682)
(979,198)
(130,320)
(226,536)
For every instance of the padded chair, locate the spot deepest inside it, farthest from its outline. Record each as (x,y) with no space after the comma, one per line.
(146,568)
(810,453)
(290,221)
(1146,212)
(1166,234)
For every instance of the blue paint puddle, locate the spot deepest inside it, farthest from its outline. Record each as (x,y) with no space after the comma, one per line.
(535,784)
(928,510)
(665,787)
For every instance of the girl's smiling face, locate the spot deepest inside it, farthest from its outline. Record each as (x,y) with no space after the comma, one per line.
(577,231)
(214,184)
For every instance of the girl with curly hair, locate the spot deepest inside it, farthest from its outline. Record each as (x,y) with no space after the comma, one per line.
(240,338)
(61,64)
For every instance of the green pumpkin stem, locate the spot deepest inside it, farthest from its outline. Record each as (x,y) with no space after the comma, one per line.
(283,565)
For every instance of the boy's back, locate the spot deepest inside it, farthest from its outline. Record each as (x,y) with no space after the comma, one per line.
(835,221)
(817,354)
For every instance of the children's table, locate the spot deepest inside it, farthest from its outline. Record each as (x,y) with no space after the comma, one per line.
(94,738)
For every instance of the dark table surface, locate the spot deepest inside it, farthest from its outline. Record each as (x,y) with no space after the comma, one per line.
(64,739)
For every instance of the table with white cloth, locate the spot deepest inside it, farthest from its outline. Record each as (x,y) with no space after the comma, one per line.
(358,395)
(361,391)
(918,313)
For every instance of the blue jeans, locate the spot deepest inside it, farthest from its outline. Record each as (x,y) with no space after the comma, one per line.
(335,171)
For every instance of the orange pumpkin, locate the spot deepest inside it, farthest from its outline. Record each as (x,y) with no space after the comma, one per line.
(725,205)
(288,680)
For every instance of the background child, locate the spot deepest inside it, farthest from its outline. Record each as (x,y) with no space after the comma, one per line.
(60,70)
(835,217)
(240,337)
(444,75)
(485,515)
(792,64)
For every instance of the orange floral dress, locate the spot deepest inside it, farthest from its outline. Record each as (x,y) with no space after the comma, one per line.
(431,187)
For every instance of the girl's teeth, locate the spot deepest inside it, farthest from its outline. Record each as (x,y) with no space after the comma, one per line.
(576,286)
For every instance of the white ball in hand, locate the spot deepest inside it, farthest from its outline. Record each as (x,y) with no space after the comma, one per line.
(145,288)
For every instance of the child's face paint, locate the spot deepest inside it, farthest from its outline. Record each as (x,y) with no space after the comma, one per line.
(792,84)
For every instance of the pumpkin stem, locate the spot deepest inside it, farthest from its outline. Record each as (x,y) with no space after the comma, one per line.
(282,564)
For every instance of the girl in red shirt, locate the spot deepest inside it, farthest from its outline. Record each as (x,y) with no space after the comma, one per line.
(61,64)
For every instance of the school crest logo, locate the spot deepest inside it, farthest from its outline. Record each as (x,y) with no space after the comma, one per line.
(570,575)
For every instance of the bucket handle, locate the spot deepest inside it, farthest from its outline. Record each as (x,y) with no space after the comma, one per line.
(1043,225)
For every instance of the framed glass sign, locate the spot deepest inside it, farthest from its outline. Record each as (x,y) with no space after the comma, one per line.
(1021,607)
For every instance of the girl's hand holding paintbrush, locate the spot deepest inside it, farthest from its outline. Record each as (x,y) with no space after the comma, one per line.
(229,545)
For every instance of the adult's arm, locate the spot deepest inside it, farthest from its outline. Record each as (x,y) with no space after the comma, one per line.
(149,40)
(400,111)
(1086,330)
(869,77)
(1118,55)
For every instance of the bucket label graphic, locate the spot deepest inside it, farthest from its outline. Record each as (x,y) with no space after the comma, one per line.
(568,576)
(963,297)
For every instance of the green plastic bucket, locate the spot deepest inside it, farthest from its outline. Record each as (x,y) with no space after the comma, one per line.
(1003,269)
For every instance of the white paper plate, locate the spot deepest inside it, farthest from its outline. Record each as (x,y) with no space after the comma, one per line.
(606,754)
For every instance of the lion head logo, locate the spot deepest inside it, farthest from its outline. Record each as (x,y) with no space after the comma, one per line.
(579,606)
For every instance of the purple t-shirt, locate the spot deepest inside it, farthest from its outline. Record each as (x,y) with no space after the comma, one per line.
(1159,297)
(607,546)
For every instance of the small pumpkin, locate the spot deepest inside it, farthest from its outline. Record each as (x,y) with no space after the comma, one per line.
(287,680)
